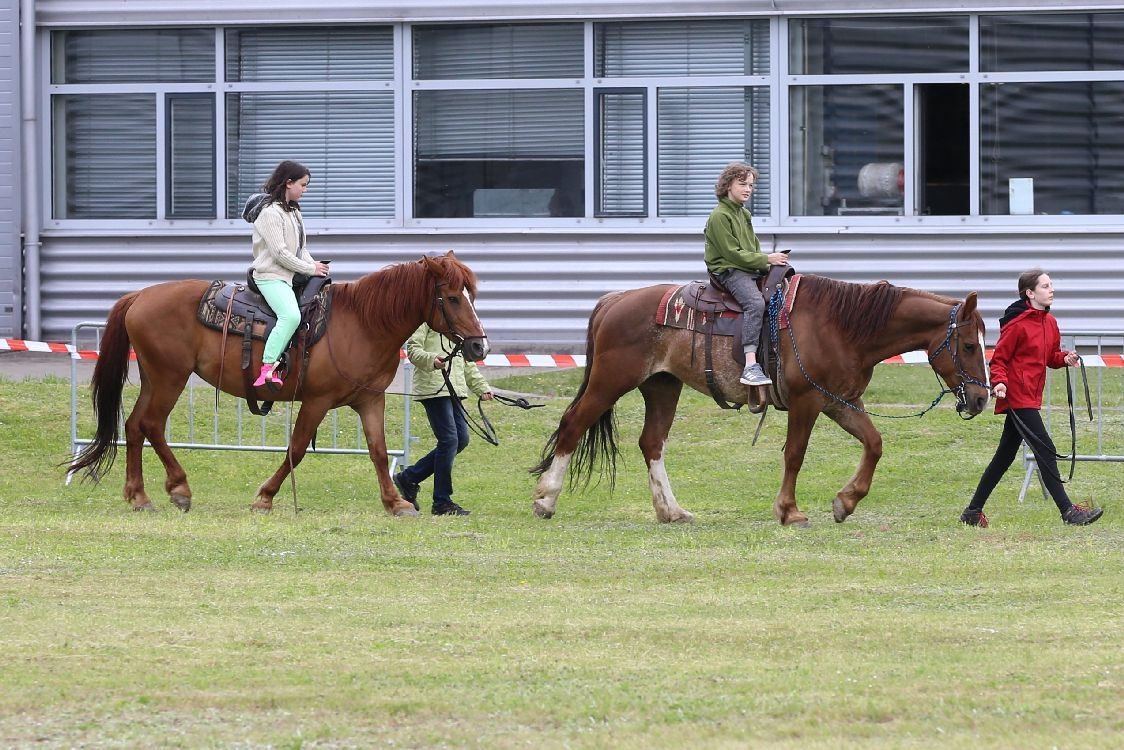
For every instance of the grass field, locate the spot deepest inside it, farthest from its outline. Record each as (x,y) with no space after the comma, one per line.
(340,627)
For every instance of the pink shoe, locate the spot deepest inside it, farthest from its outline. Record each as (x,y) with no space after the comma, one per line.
(267,374)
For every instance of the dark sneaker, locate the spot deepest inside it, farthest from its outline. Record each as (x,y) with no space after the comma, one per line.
(974,518)
(449,509)
(754,375)
(1081,515)
(408,490)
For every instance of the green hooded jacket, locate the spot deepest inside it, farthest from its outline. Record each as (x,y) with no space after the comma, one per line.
(422,349)
(730,241)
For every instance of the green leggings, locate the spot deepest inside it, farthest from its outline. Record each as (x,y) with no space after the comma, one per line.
(280,297)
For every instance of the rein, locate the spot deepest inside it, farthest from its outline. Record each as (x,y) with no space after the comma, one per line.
(950,334)
(1033,440)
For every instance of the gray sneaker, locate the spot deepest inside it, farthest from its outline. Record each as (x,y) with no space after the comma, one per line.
(754,375)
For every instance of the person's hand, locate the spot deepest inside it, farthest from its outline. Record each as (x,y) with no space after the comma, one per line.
(321,268)
(778,259)
(488,396)
(1072,359)
(1000,390)
(438,363)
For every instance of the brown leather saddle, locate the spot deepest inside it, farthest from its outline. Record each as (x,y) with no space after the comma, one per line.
(235,308)
(706,307)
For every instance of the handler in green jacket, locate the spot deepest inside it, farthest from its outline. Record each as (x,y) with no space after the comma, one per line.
(428,352)
(733,256)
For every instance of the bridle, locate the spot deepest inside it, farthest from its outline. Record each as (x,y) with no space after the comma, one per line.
(952,344)
(951,339)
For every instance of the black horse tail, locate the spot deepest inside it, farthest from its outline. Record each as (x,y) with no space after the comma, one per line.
(110,374)
(598,445)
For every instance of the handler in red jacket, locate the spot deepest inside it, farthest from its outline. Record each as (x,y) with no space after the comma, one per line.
(1029,342)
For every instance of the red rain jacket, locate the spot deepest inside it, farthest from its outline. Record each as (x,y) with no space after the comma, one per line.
(1029,342)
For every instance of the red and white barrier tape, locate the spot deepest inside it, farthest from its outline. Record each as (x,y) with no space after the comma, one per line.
(528,360)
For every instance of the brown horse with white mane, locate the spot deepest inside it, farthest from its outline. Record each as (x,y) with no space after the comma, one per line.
(352,365)
(836,333)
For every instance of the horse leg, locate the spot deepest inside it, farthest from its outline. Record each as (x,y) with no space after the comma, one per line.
(858,424)
(148,419)
(372,415)
(802,415)
(309,416)
(579,418)
(661,395)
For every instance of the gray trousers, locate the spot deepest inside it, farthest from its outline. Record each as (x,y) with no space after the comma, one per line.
(743,287)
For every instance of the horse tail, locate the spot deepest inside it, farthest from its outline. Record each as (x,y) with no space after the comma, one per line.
(598,445)
(110,374)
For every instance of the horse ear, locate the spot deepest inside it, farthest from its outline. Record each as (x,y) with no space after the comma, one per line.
(969,305)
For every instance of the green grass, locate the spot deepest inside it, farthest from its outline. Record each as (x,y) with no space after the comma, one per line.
(341,627)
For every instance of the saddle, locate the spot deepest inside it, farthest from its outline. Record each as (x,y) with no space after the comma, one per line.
(706,307)
(236,307)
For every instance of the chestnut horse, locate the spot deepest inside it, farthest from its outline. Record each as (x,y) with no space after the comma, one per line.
(837,333)
(352,365)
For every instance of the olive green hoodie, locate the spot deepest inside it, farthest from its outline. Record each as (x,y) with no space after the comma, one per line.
(730,241)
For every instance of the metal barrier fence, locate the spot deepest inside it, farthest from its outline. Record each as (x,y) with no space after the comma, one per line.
(1102,440)
(232,426)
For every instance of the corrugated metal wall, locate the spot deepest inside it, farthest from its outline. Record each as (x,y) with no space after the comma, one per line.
(537,290)
(9,170)
(539,287)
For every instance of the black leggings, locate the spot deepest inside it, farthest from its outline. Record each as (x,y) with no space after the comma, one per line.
(1044,453)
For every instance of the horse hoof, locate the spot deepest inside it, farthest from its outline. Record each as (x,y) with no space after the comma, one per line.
(406,512)
(265,509)
(540,511)
(147,507)
(838,511)
(182,502)
(684,517)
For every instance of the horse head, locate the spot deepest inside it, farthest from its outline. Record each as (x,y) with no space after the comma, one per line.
(957,355)
(453,313)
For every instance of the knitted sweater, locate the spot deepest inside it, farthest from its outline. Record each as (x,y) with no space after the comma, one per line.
(278,252)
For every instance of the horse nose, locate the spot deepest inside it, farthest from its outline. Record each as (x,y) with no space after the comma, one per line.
(476,347)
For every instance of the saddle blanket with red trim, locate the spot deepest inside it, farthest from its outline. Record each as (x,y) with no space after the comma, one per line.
(685,307)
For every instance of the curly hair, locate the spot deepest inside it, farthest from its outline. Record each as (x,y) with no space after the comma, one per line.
(734,171)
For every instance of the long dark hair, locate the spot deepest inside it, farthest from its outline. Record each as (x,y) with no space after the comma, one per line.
(284,173)
(1027,281)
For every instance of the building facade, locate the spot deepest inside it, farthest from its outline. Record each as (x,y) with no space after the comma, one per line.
(563,151)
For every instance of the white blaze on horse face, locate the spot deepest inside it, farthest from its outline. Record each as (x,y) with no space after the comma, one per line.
(987,370)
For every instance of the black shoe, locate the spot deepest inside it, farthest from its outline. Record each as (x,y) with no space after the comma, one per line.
(1081,515)
(408,490)
(449,509)
(974,518)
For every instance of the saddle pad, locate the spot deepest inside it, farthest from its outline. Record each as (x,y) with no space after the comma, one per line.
(248,310)
(793,283)
(678,309)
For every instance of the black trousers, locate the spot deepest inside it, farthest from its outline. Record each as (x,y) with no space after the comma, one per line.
(1044,453)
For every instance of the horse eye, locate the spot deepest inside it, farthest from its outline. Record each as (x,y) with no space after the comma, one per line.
(970,346)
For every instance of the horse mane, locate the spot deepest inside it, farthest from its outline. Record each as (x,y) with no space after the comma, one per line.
(863,309)
(390,295)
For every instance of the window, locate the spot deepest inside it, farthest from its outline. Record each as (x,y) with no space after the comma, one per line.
(848,147)
(105,139)
(1070,41)
(850,151)
(105,152)
(489,148)
(699,129)
(343,129)
(1063,136)
(838,46)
